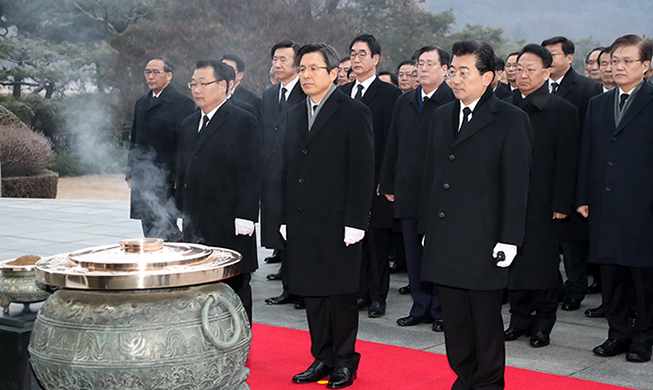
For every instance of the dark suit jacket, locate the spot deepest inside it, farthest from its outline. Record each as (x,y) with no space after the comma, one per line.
(615,180)
(219,180)
(403,164)
(273,140)
(250,98)
(477,188)
(380,98)
(328,183)
(577,90)
(153,151)
(244,105)
(503,91)
(552,186)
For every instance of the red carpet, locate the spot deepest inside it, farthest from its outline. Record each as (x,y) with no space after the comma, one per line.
(279,353)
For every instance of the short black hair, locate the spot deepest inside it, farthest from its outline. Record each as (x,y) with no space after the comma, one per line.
(415,56)
(643,46)
(540,51)
(221,71)
(329,54)
(284,44)
(567,45)
(481,50)
(405,62)
(343,59)
(501,64)
(606,50)
(445,57)
(231,74)
(393,77)
(240,64)
(372,43)
(587,57)
(167,65)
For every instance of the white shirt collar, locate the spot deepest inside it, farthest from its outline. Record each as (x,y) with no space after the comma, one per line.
(366,84)
(424,94)
(471,106)
(289,87)
(210,114)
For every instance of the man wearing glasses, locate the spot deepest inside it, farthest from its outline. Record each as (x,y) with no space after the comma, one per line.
(380,97)
(473,213)
(327,190)
(534,280)
(153,151)
(219,173)
(615,194)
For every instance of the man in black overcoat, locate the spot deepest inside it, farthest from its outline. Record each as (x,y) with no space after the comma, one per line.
(219,174)
(328,183)
(153,152)
(380,97)
(473,213)
(402,174)
(534,281)
(577,90)
(615,193)
(239,91)
(277,99)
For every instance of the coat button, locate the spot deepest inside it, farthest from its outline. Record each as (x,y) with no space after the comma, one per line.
(446,186)
(610,163)
(185,186)
(194,157)
(608,189)
(301,181)
(452,157)
(274,151)
(441,215)
(614,138)
(304,151)
(276,129)
(299,210)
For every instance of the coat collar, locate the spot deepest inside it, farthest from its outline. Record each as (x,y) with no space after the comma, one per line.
(568,82)
(331,105)
(642,98)
(165,96)
(214,125)
(538,99)
(483,115)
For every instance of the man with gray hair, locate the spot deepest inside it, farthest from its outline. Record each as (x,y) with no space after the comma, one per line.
(153,151)
(327,194)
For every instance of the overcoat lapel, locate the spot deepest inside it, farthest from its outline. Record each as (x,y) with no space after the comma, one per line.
(371,92)
(214,125)
(330,107)
(642,99)
(480,119)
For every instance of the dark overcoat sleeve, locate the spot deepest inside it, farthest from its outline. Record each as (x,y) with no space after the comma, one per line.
(566,162)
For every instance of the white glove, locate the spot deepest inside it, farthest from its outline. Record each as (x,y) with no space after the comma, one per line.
(509,250)
(244,227)
(353,235)
(282,230)
(423,240)
(180,224)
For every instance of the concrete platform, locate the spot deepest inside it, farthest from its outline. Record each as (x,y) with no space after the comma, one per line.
(46,227)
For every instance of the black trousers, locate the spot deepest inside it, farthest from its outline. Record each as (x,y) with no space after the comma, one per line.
(375,265)
(543,302)
(474,337)
(240,284)
(426,301)
(617,285)
(333,325)
(574,255)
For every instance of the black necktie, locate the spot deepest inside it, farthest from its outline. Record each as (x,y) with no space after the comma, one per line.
(622,100)
(152,101)
(359,94)
(466,112)
(282,101)
(554,87)
(205,122)
(315,107)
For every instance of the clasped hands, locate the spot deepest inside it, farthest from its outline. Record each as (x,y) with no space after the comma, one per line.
(509,250)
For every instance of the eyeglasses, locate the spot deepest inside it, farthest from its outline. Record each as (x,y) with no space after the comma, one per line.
(625,62)
(201,85)
(361,55)
(155,72)
(529,72)
(310,69)
(511,65)
(452,74)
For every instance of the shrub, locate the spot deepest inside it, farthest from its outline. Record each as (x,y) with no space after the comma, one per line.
(23,152)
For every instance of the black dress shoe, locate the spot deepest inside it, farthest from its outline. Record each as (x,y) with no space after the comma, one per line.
(412,320)
(438,326)
(597,312)
(540,339)
(281,299)
(571,304)
(639,353)
(611,347)
(362,304)
(276,276)
(299,304)
(404,290)
(341,377)
(513,333)
(314,373)
(376,310)
(273,259)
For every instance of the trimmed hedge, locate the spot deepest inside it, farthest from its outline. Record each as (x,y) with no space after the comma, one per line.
(41,185)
